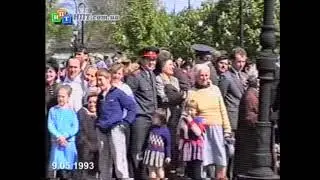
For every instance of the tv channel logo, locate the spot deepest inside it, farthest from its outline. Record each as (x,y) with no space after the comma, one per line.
(61,17)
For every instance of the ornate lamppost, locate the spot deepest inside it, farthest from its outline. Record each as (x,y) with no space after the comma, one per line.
(262,156)
(82,22)
(74,40)
(241,22)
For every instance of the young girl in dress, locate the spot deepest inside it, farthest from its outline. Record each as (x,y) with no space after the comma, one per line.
(157,150)
(191,140)
(63,125)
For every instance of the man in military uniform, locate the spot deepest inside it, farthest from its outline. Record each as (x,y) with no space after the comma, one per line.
(204,56)
(143,85)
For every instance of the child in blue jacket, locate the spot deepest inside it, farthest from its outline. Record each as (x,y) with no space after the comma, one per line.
(111,124)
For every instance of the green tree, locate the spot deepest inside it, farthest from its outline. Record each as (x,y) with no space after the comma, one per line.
(56,32)
(214,24)
(191,27)
(220,26)
(100,33)
(226,28)
(141,26)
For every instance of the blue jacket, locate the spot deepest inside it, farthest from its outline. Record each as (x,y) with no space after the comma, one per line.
(110,109)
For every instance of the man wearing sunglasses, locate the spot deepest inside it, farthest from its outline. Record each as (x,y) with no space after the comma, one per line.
(143,85)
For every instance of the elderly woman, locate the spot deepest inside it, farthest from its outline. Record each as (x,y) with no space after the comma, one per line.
(213,110)
(170,99)
(248,117)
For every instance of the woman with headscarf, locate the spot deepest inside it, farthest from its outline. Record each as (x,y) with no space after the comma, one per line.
(212,109)
(248,117)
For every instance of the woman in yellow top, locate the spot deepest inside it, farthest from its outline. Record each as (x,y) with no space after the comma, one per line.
(213,110)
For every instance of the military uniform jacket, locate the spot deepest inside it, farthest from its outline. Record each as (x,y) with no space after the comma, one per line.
(143,85)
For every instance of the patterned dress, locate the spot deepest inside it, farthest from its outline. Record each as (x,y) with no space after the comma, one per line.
(191,146)
(158,147)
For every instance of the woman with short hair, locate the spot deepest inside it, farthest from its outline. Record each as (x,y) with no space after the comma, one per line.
(91,82)
(213,110)
(170,99)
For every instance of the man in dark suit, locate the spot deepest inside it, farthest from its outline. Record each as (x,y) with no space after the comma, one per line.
(232,85)
(143,85)
(222,65)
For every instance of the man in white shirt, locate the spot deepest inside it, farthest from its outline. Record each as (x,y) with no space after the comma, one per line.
(75,79)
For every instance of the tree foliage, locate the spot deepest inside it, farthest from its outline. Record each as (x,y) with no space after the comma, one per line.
(141,26)
(100,32)
(220,27)
(227,26)
(143,23)
(59,33)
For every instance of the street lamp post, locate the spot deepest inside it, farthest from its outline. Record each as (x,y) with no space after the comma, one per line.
(75,40)
(262,157)
(75,33)
(241,22)
(82,22)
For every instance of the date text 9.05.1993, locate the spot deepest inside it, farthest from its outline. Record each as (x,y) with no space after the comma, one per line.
(76,165)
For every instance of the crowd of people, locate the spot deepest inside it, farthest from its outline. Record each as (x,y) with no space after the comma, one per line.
(145,119)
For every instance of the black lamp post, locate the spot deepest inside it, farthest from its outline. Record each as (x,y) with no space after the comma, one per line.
(75,33)
(75,40)
(262,157)
(241,22)
(82,22)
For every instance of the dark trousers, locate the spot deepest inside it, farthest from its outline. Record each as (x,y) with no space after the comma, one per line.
(130,160)
(64,174)
(193,169)
(139,133)
(48,168)
(172,125)
(105,160)
(86,156)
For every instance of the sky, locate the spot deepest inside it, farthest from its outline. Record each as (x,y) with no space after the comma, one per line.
(169,4)
(180,4)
